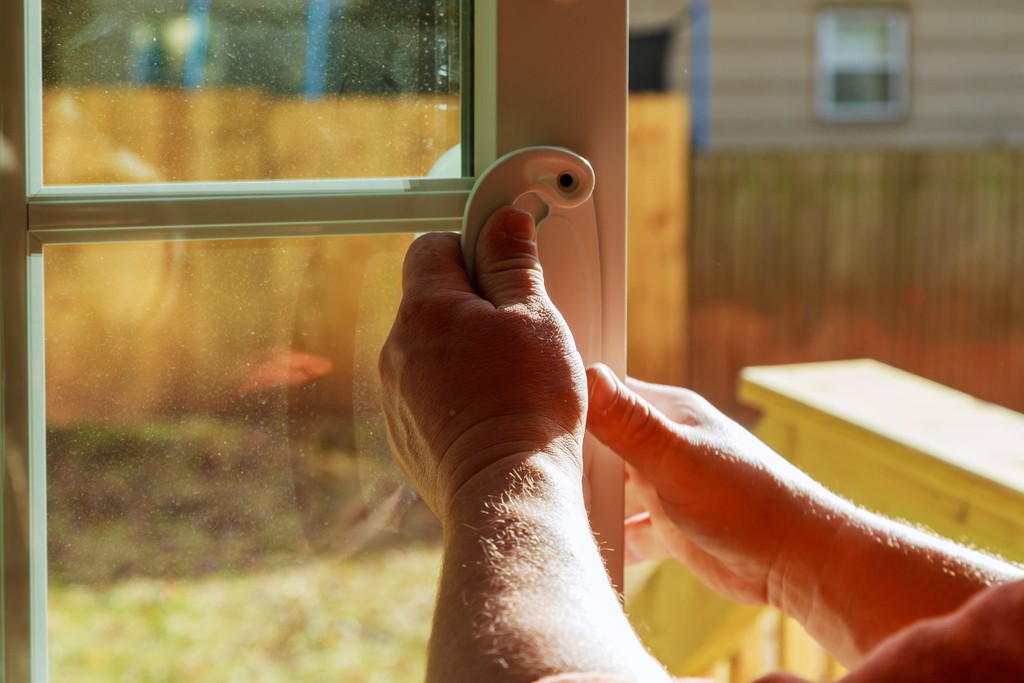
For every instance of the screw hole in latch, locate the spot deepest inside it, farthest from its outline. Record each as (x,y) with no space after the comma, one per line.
(568,181)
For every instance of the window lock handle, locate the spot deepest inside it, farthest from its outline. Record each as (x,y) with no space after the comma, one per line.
(544,181)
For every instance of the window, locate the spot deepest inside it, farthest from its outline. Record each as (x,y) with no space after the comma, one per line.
(200,247)
(862,64)
(199,91)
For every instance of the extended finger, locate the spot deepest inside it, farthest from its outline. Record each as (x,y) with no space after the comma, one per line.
(623,420)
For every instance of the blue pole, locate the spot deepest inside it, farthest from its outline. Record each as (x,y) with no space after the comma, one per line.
(148,59)
(318,23)
(700,73)
(195,58)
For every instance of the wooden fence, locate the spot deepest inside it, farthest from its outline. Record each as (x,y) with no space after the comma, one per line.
(658,287)
(914,258)
(132,135)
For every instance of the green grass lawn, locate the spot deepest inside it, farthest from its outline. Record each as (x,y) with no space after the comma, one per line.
(193,551)
(361,619)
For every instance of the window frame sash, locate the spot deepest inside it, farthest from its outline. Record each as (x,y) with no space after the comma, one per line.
(895,63)
(521,97)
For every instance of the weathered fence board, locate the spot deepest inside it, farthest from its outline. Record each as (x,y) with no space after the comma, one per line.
(658,214)
(132,135)
(915,258)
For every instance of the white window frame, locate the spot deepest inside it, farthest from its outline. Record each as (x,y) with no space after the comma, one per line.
(829,62)
(546,72)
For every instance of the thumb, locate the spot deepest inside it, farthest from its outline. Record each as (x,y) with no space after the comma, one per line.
(507,267)
(625,422)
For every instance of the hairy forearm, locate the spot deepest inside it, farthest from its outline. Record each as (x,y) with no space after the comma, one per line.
(523,592)
(869,577)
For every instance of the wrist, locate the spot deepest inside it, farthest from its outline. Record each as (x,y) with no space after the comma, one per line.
(523,586)
(534,483)
(878,576)
(820,521)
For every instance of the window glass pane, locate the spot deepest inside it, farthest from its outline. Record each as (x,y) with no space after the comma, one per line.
(858,88)
(197,90)
(221,500)
(860,38)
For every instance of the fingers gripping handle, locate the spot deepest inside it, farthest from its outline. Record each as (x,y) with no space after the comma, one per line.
(556,186)
(546,181)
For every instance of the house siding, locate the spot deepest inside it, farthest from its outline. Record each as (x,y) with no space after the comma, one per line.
(966,66)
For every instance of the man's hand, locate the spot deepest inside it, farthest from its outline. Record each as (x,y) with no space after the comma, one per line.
(717,497)
(756,529)
(478,376)
(485,396)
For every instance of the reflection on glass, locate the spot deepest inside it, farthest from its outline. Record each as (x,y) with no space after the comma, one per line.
(862,38)
(852,88)
(195,90)
(221,501)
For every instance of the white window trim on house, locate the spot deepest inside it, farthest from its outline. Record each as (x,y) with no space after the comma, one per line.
(571,93)
(896,63)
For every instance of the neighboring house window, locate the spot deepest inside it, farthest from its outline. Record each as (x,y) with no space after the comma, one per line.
(862,73)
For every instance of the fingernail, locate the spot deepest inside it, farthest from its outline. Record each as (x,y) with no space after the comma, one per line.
(602,387)
(518,224)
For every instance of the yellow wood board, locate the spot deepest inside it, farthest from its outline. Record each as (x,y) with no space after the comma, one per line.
(925,416)
(900,445)
(686,625)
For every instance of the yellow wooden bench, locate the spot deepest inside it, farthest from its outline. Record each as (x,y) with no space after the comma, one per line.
(883,438)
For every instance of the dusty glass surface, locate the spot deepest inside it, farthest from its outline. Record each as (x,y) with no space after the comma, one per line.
(194,90)
(221,501)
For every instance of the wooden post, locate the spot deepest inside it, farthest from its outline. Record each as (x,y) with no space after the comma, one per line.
(658,283)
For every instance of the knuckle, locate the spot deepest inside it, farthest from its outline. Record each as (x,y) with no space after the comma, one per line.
(510,278)
(416,252)
(638,421)
(525,263)
(426,250)
(639,424)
